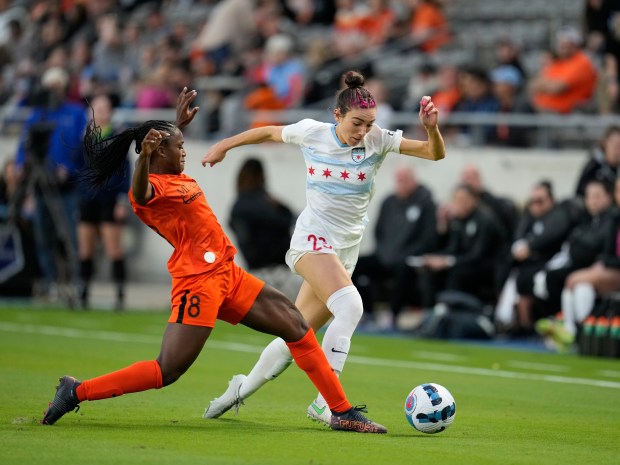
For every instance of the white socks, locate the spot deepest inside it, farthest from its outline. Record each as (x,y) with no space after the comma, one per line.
(274,359)
(585,296)
(347,307)
(577,303)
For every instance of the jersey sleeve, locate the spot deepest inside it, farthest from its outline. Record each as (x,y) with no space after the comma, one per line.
(159,186)
(295,133)
(387,140)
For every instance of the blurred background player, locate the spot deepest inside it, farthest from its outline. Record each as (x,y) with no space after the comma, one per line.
(263,226)
(102,216)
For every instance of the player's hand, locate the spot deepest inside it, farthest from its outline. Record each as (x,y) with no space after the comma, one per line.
(215,155)
(152,140)
(429,115)
(185,115)
(435,262)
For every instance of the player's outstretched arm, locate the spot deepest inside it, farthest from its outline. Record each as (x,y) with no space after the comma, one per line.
(140,186)
(252,136)
(434,148)
(185,115)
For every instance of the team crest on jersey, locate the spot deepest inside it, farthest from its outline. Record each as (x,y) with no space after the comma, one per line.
(358,154)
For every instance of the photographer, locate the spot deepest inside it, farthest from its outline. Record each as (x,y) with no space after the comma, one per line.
(49,157)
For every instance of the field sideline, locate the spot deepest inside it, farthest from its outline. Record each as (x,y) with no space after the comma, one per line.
(513,407)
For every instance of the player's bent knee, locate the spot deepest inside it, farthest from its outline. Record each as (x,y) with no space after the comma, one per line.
(170,374)
(298,325)
(346,304)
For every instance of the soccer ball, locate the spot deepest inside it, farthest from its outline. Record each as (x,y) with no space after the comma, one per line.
(430,408)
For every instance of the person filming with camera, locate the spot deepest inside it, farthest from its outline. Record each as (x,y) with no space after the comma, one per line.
(49,157)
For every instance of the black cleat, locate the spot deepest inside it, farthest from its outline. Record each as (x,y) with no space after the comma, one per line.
(353,420)
(64,401)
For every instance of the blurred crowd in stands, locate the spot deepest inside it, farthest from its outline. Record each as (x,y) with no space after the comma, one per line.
(245,55)
(288,54)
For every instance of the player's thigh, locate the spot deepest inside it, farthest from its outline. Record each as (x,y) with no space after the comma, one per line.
(273,313)
(585,275)
(324,273)
(311,307)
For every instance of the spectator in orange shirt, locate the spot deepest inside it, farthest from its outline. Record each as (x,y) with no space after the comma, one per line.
(377,23)
(429,26)
(568,82)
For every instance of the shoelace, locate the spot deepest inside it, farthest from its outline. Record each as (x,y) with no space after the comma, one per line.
(356,413)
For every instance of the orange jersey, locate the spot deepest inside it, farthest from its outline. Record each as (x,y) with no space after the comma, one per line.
(579,75)
(429,18)
(179,212)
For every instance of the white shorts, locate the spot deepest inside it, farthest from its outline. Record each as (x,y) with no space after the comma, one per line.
(348,257)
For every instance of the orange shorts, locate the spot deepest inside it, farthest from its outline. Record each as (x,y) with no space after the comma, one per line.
(226,294)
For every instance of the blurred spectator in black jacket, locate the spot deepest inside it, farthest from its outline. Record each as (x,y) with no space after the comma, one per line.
(502,207)
(581,249)
(583,286)
(540,234)
(603,164)
(405,227)
(467,263)
(262,225)
(505,212)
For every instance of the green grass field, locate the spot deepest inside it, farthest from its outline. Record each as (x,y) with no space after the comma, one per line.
(513,407)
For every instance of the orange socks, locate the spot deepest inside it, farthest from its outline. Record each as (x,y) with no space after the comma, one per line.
(310,357)
(140,376)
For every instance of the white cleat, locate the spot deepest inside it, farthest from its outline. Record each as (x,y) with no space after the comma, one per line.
(320,415)
(226,401)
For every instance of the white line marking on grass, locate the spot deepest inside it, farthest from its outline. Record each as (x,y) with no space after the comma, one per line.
(482,372)
(536,366)
(438,356)
(609,373)
(380,362)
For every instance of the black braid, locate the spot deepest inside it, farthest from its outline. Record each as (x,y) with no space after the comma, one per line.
(104,158)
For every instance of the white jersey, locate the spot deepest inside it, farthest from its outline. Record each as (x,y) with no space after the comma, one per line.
(340,182)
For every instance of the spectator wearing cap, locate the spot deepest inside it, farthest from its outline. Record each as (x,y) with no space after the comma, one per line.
(477,97)
(52,140)
(508,53)
(568,81)
(507,89)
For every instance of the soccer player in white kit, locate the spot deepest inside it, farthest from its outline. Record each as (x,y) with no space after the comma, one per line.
(341,162)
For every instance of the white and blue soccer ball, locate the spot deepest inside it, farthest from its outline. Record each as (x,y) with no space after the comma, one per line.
(430,408)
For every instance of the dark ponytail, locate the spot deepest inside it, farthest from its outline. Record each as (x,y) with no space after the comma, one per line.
(355,95)
(106,157)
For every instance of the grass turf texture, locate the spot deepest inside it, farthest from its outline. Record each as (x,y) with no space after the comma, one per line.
(509,409)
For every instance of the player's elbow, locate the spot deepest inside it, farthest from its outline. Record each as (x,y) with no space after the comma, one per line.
(439,155)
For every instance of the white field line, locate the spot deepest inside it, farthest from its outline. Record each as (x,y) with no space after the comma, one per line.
(440,356)
(238,347)
(536,366)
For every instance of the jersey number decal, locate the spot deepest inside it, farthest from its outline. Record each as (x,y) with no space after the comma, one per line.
(193,309)
(318,240)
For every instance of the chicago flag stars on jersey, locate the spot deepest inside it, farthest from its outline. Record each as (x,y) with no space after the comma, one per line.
(345,175)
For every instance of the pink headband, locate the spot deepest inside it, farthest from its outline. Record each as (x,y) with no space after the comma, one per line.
(363,102)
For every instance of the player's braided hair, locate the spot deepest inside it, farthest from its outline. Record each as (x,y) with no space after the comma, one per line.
(355,95)
(105,157)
